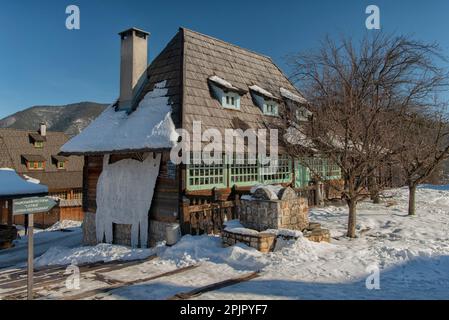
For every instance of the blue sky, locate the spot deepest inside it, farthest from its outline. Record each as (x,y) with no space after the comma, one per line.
(43,63)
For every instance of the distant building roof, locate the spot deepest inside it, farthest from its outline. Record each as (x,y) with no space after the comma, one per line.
(16,148)
(34,157)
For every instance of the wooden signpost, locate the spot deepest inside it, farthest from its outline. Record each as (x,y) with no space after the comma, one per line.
(30,206)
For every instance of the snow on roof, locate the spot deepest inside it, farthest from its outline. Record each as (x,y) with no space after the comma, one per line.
(261,91)
(296,137)
(11,184)
(272,190)
(290,95)
(225,84)
(150,126)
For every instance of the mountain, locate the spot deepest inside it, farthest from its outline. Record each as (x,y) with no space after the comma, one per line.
(71,118)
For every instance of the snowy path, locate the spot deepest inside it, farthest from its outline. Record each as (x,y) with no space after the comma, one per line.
(42,242)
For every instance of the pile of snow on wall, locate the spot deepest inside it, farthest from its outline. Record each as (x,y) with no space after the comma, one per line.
(124,194)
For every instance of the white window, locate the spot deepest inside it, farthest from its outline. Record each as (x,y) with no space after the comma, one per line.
(270,108)
(230,100)
(227,94)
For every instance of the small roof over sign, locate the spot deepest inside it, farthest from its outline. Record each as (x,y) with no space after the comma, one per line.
(12,185)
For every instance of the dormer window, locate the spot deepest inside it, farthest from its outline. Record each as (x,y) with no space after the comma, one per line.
(296,103)
(270,108)
(37,140)
(38,144)
(228,95)
(34,162)
(265,100)
(59,161)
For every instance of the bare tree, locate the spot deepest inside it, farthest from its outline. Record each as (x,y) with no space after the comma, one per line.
(356,92)
(425,145)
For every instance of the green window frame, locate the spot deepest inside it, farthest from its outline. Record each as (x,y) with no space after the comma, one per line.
(270,108)
(326,169)
(279,172)
(206,176)
(247,173)
(244,174)
(302,175)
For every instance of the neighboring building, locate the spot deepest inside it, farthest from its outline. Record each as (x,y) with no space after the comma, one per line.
(34,154)
(194,78)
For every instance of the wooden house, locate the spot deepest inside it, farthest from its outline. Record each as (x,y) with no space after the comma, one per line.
(205,79)
(34,154)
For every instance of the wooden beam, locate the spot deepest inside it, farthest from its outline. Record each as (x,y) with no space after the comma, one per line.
(128,283)
(214,286)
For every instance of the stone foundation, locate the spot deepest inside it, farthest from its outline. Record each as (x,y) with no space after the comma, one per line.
(315,233)
(264,242)
(89,230)
(122,233)
(261,215)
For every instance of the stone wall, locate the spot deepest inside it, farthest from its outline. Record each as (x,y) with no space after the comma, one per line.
(264,242)
(274,214)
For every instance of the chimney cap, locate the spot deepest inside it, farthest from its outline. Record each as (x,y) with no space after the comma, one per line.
(130,30)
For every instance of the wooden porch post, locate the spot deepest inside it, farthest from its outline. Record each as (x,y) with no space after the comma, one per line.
(9,206)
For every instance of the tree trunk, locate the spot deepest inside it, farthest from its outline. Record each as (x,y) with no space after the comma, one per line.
(352,204)
(373,189)
(411,199)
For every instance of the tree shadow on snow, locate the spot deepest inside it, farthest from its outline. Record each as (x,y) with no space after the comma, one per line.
(419,278)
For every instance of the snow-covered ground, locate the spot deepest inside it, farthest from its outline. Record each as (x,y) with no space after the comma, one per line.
(412,254)
(65,233)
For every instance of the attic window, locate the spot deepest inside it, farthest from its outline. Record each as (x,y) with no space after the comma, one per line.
(59,161)
(36,165)
(297,104)
(226,93)
(266,101)
(37,140)
(38,144)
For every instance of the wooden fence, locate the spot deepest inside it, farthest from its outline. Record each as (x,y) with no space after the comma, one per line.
(207,218)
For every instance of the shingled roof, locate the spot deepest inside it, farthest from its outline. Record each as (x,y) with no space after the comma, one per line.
(16,147)
(186,64)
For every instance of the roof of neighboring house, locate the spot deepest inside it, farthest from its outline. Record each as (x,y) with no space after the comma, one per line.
(191,61)
(11,185)
(16,148)
(34,157)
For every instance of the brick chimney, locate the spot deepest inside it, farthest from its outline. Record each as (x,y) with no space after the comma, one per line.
(43,129)
(133,63)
